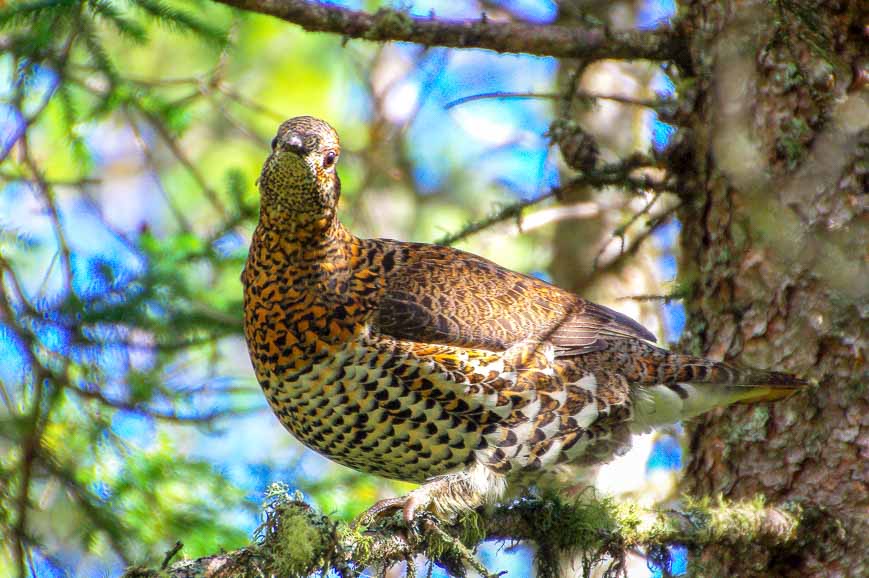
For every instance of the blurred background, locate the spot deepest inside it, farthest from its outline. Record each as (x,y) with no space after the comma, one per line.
(131,136)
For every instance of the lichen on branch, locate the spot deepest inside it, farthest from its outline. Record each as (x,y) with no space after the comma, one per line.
(295,540)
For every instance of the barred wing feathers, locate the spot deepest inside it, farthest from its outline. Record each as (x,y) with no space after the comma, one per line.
(442,295)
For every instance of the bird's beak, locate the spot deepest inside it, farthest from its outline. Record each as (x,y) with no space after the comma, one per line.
(294,143)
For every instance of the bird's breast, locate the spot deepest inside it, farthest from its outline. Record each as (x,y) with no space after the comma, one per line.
(373,409)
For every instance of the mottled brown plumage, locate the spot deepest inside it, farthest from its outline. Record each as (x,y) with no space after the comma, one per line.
(429,364)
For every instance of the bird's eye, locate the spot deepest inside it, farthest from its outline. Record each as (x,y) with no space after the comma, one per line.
(329,159)
(274,143)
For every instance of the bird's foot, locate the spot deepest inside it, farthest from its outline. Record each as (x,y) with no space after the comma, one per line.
(441,497)
(409,505)
(428,511)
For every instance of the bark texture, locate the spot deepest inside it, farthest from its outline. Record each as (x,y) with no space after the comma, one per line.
(774,215)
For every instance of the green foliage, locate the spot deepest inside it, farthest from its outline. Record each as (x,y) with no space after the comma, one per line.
(57,32)
(98,492)
(143,116)
(180,20)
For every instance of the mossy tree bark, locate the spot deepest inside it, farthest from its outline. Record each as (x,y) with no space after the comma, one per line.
(774,240)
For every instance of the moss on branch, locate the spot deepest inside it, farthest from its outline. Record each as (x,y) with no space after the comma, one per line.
(295,540)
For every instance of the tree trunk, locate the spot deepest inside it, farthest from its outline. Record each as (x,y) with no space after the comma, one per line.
(773,157)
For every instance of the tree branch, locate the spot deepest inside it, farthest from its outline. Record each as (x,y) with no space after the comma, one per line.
(543,40)
(295,540)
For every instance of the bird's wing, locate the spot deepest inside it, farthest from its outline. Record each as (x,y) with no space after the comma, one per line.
(441,295)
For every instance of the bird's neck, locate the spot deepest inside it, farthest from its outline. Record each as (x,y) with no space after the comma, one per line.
(301,236)
(299,226)
(300,210)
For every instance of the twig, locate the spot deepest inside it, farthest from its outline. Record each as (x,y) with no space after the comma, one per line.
(185,161)
(511,211)
(650,103)
(543,217)
(25,465)
(617,174)
(177,213)
(35,422)
(78,183)
(498,95)
(668,298)
(620,231)
(637,242)
(167,416)
(86,500)
(171,554)
(62,59)
(47,194)
(249,103)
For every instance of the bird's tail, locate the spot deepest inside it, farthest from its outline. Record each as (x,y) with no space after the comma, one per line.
(686,386)
(748,385)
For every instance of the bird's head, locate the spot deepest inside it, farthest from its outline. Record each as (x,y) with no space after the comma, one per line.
(299,186)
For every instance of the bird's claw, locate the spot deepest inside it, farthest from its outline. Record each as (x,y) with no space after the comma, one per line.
(379,511)
(410,504)
(425,523)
